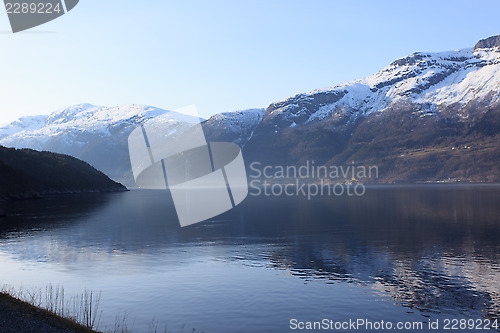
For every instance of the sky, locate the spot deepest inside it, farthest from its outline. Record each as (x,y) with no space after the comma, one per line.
(220,55)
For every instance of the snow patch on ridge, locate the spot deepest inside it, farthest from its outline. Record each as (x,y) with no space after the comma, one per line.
(238,120)
(433,79)
(73,124)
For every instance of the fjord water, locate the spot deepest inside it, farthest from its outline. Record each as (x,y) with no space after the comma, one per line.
(395,254)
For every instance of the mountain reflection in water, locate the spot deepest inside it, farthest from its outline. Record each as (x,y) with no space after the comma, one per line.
(432,249)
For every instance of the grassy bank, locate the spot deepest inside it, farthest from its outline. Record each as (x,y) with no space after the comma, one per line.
(20,316)
(50,311)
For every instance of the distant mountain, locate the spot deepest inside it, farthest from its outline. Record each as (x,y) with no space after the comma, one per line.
(28,173)
(95,134)
(425,117)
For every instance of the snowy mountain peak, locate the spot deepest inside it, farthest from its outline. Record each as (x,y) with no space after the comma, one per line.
(240,117)
(459,86)
(235,126)
(87,118)
(96,134)
(88,115)
(30,123)
(435,80)
(490,42)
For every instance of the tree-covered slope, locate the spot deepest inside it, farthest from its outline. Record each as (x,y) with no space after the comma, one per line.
(26,173)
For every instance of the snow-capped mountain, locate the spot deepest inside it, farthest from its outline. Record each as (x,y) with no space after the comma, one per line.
(26,124)
(412,118)
(71,123)
(433,80)
(427,116)
(96,134)
(237,126)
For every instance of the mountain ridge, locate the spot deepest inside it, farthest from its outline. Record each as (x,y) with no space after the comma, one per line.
(429,101)
(410,118)
(95,134)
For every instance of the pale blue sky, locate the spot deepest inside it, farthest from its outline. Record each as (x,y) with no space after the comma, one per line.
(220,55)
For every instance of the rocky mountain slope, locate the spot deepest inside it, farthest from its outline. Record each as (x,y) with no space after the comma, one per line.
(237,127)
(425,117)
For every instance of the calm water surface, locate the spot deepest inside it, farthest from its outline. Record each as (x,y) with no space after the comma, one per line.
(395,254)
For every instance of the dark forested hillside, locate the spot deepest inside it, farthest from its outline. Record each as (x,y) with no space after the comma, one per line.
(27,173)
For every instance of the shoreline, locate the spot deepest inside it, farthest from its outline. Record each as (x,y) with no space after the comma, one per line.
(41,195)
(19,316)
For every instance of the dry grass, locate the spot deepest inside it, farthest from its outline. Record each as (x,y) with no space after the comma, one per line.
(81,311)
(28,317)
